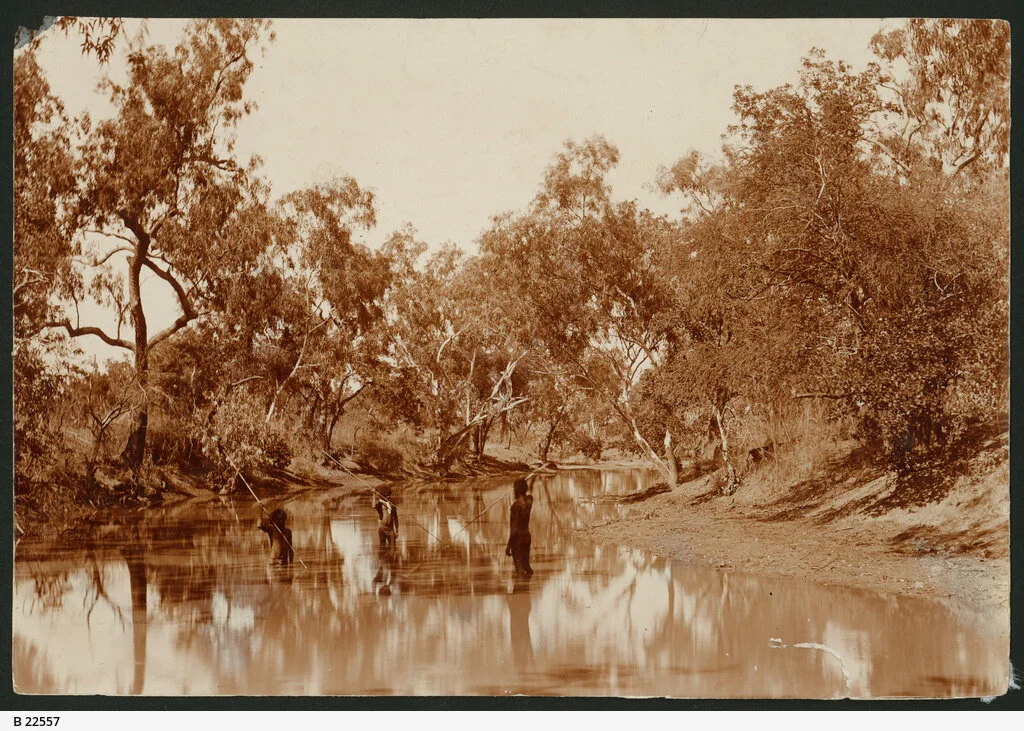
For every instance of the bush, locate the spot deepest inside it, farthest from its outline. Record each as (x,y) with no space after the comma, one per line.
(38,447)
(627,446)
(277,449)
(239,438)
(377,454)
(582,443)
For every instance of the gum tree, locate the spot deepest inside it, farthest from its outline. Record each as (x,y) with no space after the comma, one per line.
(160,189)
(583,272)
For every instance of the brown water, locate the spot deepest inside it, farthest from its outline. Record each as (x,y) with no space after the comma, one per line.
(180,600)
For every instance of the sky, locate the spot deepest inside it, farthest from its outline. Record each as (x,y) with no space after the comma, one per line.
(450,122)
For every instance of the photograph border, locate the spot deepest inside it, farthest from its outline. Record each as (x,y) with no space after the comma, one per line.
(30,14)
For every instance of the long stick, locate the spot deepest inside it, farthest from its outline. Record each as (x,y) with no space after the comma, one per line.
(475,518)
(379,494)
(528,476)
(458,532)
(272,522)
(479,515)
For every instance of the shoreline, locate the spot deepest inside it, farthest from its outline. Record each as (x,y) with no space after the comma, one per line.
(696,526)
(857,552)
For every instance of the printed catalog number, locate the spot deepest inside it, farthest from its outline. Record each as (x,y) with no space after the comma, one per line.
(36,720)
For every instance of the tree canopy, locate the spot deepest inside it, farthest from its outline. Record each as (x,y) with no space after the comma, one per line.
(849,244)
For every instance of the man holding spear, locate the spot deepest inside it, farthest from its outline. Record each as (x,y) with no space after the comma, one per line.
(387,514)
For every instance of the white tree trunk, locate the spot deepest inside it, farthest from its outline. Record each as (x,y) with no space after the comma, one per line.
(731,480)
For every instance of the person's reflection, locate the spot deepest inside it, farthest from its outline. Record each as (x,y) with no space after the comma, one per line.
(135,556)
(519,623)
(279,536)
(478,501)
(386,559)
(278,574)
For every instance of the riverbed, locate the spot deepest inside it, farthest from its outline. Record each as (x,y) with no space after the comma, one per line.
(181,601)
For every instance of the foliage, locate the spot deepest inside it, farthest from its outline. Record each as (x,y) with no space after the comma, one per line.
(238,438)
(44,219)
(814,270)
(454,365)
(375,454)
(955,100)
(589,446)
(158,183)
(583,274)
(38,437)
(850,246)
(99,35)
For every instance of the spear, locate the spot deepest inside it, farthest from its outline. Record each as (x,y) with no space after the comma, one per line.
(379,494)
(245,482)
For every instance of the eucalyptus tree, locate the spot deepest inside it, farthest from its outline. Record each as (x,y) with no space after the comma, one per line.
(584,273)
(159,188)
(874,285)
(337,334)
(454,365)
(952,104)
(44,224)
(44,199)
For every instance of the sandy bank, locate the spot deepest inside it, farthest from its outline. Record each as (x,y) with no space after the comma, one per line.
(849,525)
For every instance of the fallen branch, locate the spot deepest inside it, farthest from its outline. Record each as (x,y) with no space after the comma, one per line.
(633,497)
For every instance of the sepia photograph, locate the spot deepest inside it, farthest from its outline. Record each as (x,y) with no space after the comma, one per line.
(614,358)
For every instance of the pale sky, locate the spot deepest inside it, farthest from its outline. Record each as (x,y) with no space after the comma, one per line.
(452,121)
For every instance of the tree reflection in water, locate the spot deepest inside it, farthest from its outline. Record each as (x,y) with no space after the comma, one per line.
(208,616)
(135,556)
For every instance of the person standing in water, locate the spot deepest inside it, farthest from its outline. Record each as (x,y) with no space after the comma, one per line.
(281,553)
(387,514)
(387,534)
(518,546)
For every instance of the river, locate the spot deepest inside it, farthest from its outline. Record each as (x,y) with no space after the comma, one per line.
(180,600)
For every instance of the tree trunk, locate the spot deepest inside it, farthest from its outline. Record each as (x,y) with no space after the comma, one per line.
(337,411)
(732,482)
(545,444)
(331,423)
(660,464)
(670,460)
(475,442)
(135,450)
(480,438)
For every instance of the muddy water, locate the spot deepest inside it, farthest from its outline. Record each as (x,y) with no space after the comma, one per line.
(180,600)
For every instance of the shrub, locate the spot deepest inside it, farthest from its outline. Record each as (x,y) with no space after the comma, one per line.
(377,453)
(237,437)
(582,443)
(277,449)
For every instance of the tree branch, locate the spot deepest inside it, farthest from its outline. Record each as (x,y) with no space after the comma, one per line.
(75,332)
(119,249)
(188,312)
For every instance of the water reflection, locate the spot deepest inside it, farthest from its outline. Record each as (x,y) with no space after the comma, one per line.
(183,602)
(135,557)
(519,623)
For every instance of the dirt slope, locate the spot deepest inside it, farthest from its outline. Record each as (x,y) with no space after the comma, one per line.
(943,535)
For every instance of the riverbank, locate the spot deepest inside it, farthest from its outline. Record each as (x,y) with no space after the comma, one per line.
(55,510)
(945,537)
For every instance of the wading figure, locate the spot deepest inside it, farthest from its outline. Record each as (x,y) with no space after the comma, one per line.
(387,514)
(281,553)
(518,546)
(387,534)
